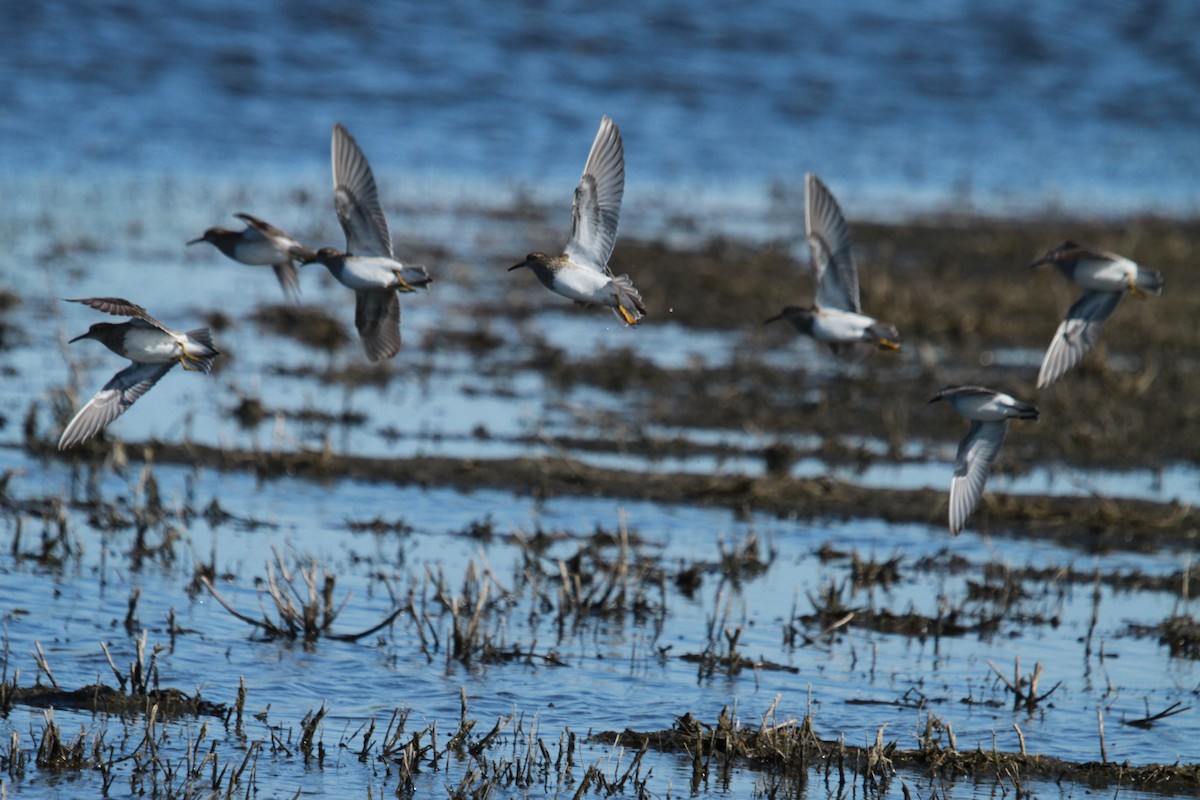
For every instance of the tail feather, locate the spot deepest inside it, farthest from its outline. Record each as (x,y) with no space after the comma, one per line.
(207,352)
(415,275)
(886,335)
(1149,280)
(629,300)
(1026,411)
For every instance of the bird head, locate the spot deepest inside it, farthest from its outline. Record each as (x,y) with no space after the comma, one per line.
(100,331)
(324,256)
(793,314)
(1056,255)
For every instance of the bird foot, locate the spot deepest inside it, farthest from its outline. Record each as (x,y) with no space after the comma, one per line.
(625,315)
(888,344)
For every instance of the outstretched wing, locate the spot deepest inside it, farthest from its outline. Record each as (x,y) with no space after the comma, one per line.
(111,402)
(120,307)
(377,317)
(834,271)
(357,200)
(1077,334)
(976,453)
(598,201)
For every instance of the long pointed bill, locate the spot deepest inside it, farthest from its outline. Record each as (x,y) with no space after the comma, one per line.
(775,318)
(77,338)
(518,266)
(197,241)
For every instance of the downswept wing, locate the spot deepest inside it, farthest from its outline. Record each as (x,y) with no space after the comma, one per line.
(597,206)
(289,279)
(120,307)
(377,317)
(111,402)
(834,270)
(356,199)
(1077,334)
(976,454)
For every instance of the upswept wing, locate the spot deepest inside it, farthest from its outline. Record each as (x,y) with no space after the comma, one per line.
(276,236)
(120,307)
(976,454)
(356,199)
(111,402)
(834,270)
(1077,334)
(598,201)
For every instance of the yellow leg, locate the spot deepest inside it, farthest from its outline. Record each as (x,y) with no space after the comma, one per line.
(404,286)
(888,344)
(625,315)
(187,359)
(1131,282)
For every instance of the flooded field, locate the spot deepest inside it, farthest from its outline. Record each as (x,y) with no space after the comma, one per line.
(541,554)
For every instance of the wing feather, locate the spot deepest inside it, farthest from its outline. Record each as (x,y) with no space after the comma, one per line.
(356,199)
(377,317)
(597,207)
(119,307)
(834,270)
(111,402)
(976,454)
(1077,334)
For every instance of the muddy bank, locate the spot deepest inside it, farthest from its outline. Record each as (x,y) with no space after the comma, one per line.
(1079,522)
(969,310)
(792,748)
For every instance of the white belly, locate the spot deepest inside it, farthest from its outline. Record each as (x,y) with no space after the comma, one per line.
(834,326)
(1103,275)
(260,252)
(584,285)
(150,346)
(985,407)
(369,272)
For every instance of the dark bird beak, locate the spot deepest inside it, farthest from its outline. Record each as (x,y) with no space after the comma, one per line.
(77,338)
(518,266)
(775,318)
(197,241)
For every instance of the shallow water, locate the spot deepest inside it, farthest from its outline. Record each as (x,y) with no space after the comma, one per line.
(1081,106)
(620,671)
(613,677)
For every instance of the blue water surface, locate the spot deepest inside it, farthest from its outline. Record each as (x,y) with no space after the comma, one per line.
(928,105)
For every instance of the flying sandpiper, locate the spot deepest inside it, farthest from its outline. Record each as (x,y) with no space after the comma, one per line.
(581,272)
(835,317)
(1105,278)
(989,412)
(262,244)
(368,265)
(152,347)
